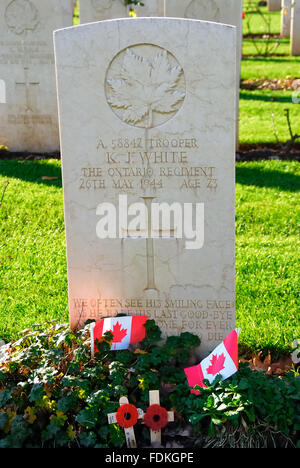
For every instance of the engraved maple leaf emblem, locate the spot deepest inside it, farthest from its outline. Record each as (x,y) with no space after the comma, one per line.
(217,364)
(144,87)
(21,16)
(118,333)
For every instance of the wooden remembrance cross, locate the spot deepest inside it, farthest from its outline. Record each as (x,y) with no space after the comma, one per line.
(155,400)
(129,431)
(155,434)
(150,244)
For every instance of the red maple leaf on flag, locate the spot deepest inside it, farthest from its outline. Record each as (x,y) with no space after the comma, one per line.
(217,364)
(118,333)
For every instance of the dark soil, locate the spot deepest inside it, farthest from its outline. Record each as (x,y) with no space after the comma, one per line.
(262,36)
(27,156)
(256,153)
(276,84)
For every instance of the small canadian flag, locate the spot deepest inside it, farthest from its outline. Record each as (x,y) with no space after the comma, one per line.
(223,360)
(125,330)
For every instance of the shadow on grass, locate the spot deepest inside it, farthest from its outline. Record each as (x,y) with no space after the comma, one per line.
(269,179)
(250,96)
(32,171)
(276,59)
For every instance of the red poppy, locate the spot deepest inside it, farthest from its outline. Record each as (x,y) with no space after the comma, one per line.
(156,417)
(243,15)
(127,416)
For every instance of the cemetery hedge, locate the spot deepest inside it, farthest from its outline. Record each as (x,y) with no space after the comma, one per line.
(54,394)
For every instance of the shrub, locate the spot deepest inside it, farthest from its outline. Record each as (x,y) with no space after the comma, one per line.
(54,394)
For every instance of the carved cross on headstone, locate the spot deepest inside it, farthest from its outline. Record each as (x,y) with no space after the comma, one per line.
(27,84)
(161,234)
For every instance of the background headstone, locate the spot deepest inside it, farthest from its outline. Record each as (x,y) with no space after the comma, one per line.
(149,116)
(286,12)
(3,351)
(220,11)
(97,10)
(2,92)
(274,5)
(295,28)
(29,120)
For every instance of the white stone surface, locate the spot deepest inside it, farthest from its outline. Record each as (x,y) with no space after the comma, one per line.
(150,116)
(3,348)
(97,10)
(295,28)
(274,5)
(219,11)
(286,12)
(28,119)
(2,92)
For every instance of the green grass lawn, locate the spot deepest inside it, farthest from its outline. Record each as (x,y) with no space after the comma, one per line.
(257,106)
(33,279)
(262,112)
(270,67)
(268,253)
(271,47)
(260,21)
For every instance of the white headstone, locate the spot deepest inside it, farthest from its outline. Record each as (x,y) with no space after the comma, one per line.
(220,11)
(286,11)
(96,10)
(146,120)
(29,120)
(295,28)
(274,5)
(2,92)
(4,355)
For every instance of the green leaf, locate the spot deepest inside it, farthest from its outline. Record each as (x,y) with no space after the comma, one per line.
(68,402)
(196,418)
(5,396)
(217,421)
(87,439)
(211,430)
(37,393)
(20,431)
(3,420)
(222,407)
(210,401)
(243,384)
(88,417)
